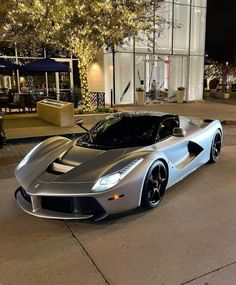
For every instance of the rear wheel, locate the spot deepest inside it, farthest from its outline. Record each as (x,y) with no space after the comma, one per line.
(216,147)
(154,185)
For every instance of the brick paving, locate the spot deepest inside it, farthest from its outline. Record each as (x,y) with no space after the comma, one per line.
(11,154)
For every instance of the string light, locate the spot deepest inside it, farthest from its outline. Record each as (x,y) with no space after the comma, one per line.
(80,26)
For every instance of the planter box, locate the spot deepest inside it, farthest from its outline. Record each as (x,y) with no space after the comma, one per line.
(180,96)
(62,116)
(221,95)
(140,98)
(233,94)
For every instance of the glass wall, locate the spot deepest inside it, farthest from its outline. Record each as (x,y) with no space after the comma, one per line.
(163,37)
(181,31)
(172,57)
(124,78)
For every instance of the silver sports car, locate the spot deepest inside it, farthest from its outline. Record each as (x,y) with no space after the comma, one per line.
(126,160)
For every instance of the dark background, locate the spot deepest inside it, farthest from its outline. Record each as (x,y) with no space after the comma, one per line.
(221,30)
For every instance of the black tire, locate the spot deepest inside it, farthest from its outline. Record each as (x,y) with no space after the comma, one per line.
(154,185)
(215,147)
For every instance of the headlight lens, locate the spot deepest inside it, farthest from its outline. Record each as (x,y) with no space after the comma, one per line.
(109,181)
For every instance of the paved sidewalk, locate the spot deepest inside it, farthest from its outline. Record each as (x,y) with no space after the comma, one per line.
(205,110)
(34,127)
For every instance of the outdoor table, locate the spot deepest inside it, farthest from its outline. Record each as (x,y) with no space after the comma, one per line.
(4,99)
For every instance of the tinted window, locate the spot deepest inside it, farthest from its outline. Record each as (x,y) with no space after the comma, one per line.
(122,131)
(166,128)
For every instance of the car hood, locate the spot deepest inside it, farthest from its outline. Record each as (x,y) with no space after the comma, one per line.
(87,165)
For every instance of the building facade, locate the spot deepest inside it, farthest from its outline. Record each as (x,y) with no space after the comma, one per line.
(173,57)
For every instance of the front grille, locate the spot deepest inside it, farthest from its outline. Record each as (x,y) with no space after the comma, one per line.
(73,205)
(58,204)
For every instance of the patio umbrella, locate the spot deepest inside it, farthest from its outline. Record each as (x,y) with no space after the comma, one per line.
(6,65)
(45,65)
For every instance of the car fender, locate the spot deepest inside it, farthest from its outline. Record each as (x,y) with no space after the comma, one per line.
(38,159)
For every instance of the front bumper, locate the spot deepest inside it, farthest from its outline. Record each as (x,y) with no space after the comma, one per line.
(66,208)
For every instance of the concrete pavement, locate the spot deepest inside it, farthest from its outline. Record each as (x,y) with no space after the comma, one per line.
(188,239)
(223,112)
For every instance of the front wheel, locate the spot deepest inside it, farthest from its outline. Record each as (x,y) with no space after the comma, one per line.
(216,147)
(154,185)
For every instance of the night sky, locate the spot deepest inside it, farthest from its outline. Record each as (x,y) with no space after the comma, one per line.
(221,30)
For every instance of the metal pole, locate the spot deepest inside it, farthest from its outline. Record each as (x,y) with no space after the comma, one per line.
(97,98)
(46,74)
(114,73)
(17,71)
(111,99)
(154,26)
(189,52)
(134,71)
(58,86)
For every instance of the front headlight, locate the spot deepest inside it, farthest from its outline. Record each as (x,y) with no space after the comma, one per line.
(109,181)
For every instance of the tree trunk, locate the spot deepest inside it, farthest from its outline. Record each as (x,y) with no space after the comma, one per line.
(83,71)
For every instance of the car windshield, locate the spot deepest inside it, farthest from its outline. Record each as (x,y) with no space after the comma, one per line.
(122,131)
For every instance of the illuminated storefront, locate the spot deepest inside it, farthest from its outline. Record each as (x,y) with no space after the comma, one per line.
(173,58)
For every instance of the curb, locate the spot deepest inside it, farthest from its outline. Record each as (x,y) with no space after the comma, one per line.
(40,138)
(229,122)
(75,135)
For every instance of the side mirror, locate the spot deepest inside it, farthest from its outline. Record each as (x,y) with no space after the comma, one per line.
(80,123)
(179,132)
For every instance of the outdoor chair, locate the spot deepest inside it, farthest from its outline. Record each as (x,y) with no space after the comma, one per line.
(4,99)
(14,102)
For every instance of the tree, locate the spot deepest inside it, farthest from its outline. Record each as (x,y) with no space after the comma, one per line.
(218,70)
(80,26)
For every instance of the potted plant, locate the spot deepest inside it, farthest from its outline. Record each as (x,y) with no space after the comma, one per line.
(180,94)
(140,92)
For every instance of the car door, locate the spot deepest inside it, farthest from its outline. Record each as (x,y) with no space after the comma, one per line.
(179,151)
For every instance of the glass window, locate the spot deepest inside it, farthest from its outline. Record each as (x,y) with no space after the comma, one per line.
(127,45)
(155,70)
(166,128)
(181,29)
(198,27)
(123,130)
(178,75)
(186,2)
(144,43)
(108,76)
(200,3)
(124,78)
(196,71)
(140,71)
(163,37)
